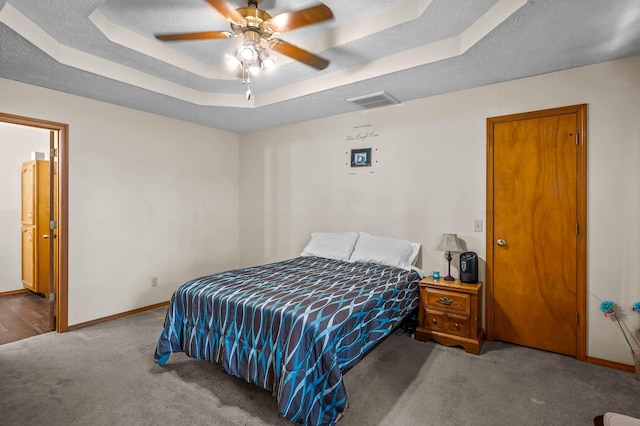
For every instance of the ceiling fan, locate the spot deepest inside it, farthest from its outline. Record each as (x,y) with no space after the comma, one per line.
(255,25)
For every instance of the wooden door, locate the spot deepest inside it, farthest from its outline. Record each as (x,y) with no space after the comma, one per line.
(536,231)
(42,221)
(36,211)
(61,206)
(28,200)
(53,218)
(28,258)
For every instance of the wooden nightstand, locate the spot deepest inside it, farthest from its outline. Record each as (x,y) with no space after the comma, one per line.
(450,313)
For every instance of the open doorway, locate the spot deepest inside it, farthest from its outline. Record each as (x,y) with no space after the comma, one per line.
(24,261)
(56,233)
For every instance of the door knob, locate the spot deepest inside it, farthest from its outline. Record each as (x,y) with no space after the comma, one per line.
(501,242)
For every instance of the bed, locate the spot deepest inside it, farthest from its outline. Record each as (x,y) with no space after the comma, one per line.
(291,327)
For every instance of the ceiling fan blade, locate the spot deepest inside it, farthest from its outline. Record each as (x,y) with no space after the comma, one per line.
(288,21)
(298,54)
(226,9)
(205,35)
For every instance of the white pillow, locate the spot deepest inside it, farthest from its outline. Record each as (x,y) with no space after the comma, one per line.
(331,245)
(385,250)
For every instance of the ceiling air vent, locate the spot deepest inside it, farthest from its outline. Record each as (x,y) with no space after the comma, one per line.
(374,100)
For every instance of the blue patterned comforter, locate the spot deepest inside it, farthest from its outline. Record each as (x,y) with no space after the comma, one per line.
(292,327)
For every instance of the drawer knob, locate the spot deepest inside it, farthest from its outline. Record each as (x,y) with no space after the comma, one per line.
(433,320)
(456,325)
(445,301)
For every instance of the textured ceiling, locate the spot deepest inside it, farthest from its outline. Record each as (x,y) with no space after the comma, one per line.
(106,50)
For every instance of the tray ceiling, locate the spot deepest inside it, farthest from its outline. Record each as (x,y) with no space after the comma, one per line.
(106,50)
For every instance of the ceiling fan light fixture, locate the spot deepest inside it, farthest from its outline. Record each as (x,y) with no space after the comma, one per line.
(268,64)
(248,52)
(232,61)
(266,61)
(251,55)
(257,26)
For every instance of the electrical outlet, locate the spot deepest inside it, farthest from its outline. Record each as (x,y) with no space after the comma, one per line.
(477,225)
(154,281)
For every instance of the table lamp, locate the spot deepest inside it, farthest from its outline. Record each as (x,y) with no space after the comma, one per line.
(449,243)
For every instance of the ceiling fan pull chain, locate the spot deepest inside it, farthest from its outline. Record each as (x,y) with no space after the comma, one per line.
(246,78)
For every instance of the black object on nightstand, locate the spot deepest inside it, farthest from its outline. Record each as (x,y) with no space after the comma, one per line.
(469,267)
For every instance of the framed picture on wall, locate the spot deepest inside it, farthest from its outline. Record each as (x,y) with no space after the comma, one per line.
(361,157)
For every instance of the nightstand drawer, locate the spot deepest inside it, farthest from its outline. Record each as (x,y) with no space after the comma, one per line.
(457,325)
(450,313)
(448,300)
(436,321)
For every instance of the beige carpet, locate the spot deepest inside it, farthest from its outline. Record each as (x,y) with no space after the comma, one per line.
(105,375)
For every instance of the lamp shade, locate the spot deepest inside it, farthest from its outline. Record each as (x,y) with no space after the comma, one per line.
(449,242)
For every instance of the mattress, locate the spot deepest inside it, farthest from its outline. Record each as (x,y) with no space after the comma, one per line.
(292,327)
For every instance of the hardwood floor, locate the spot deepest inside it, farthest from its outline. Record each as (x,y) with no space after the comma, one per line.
(23,315)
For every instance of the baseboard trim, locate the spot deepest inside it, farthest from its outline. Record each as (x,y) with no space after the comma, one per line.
(116,316)
(13,292)
(611,364)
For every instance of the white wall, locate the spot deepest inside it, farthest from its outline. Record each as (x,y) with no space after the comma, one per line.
(148,196)
(17,143)
(431,179)
(151,196)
